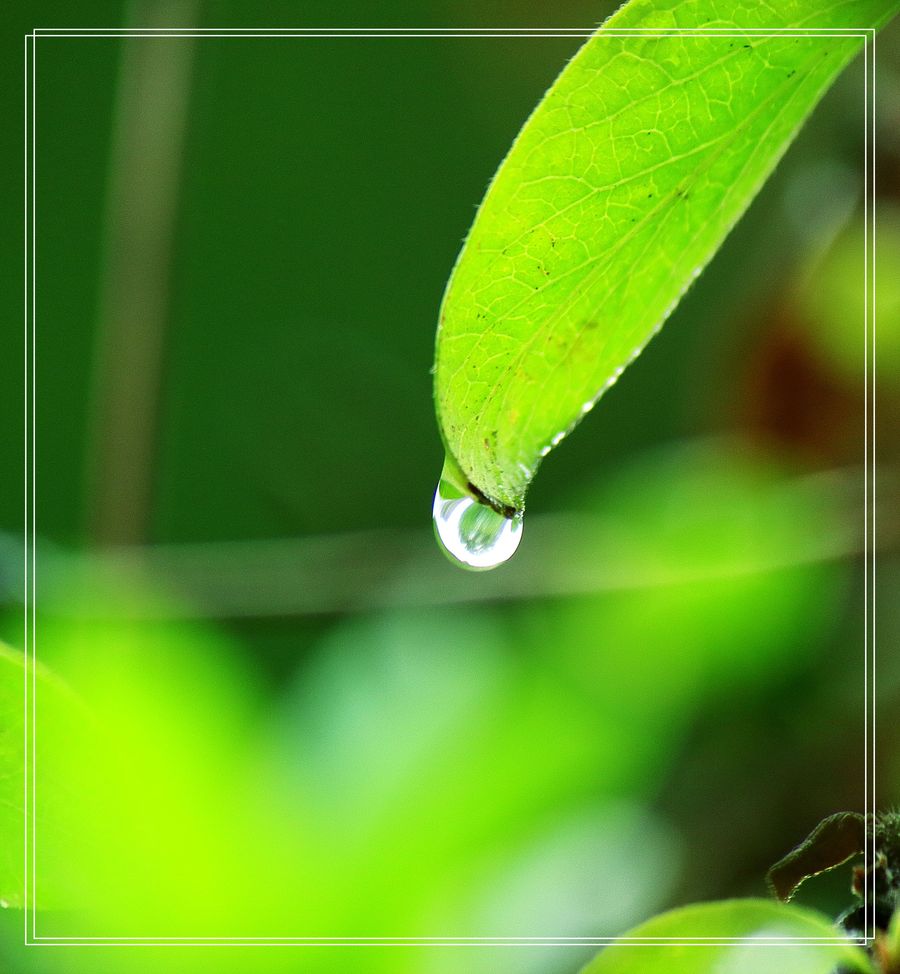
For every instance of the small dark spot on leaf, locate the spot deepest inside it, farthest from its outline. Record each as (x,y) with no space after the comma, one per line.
(591,325)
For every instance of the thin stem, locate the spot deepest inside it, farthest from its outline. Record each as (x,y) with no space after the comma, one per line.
(134,291)
(361,571)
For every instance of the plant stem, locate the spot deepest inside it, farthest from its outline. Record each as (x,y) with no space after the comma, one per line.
(145,165)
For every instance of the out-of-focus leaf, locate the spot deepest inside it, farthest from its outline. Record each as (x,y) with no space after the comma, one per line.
(591,870)
(12,777)
(156,788)
(889,947)
(740,595)
(614,196)
(427,746)
(418,744)
(62,713)
(831,299)
(755,923)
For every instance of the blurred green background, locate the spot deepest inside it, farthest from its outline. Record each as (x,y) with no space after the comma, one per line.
(283,713)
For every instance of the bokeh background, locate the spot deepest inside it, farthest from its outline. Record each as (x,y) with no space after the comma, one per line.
(274,708)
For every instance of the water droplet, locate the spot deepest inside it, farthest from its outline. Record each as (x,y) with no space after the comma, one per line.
(471,533)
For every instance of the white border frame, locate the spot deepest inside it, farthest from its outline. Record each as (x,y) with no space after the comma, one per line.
(31,937)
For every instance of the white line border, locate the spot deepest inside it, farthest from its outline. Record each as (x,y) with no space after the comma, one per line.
(31,938)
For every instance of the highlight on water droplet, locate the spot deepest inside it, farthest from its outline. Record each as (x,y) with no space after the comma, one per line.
(471,533)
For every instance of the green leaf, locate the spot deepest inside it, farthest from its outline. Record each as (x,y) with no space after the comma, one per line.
(750,925)
(616,193)
(61,713)
(12,780)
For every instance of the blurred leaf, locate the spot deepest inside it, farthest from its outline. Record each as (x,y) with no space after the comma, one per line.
(593,870)
(832,298)
(427,745)
(418,744)
(833,841)
(616,193)
(738,599)
(155,783)
(62,713)
(889,948)
(756,922)
(12,776)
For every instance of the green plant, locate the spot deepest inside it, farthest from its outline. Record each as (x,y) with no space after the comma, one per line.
(617,192)
(338,733)
(615,195)
(755,926)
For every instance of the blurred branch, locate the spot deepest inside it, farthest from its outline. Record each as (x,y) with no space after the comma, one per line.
(145,164)
(564,555)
